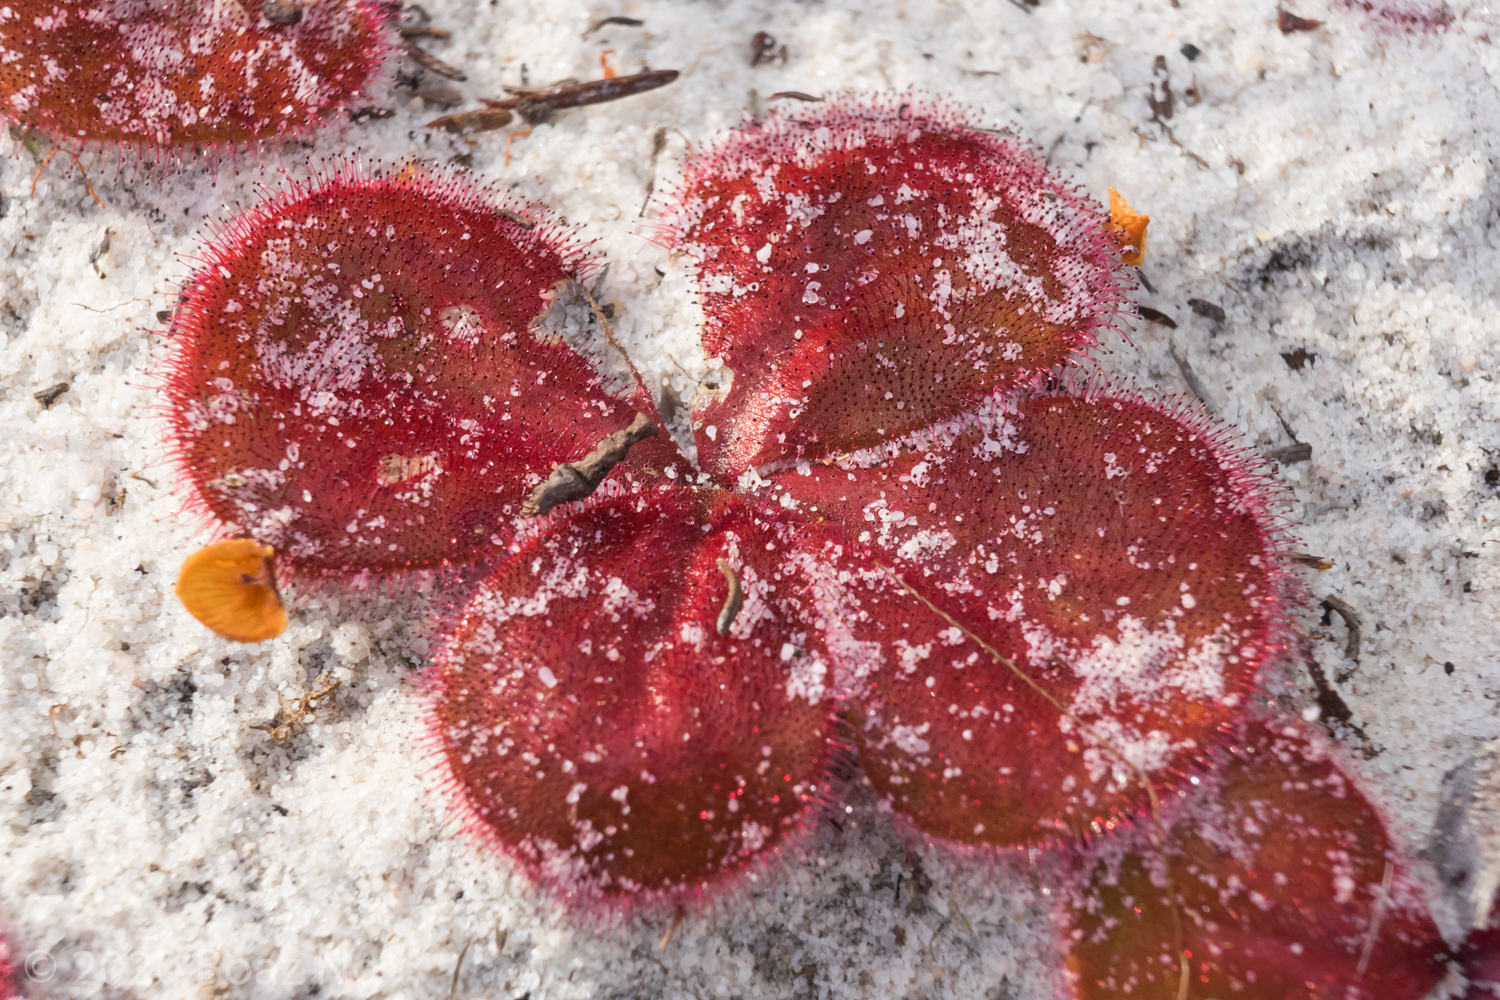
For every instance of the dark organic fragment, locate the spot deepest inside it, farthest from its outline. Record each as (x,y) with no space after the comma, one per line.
(1352,622)
(1156,316)
(624,22)
(479,120)
(1299,358)
(734,598)
(51,394)
(576,480)
(1194,382)
(763,48)
(1160,95)
(539,106)
(1207,309)
(1292,453)
(283,12)
(1289,22)
(427,60)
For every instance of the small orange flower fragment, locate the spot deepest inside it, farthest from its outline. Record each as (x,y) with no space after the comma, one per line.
(1129,227)
(231,587)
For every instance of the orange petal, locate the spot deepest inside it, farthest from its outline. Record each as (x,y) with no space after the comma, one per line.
(231,587)
(1129,227)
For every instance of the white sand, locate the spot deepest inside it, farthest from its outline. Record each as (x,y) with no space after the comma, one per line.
(1341,203)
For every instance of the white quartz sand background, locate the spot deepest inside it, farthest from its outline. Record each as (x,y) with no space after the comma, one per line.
(1335,192)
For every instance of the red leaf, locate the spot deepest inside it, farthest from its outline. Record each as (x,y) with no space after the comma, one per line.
(1280,867)
(356,379)
(182,72)
(10,975)
(600,729)
(1479,958)
(1117,554)
(868,267)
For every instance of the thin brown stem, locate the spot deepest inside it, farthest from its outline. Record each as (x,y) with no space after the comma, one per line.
(482,120)
(672,931)
(1375,921)
(76,162)
(428,61)
(1158,827)
(457,968)
(608,330)
(538,106)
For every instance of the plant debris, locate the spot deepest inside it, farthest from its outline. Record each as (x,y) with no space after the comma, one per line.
(1289,22)
(358,116)
(1299,452)
(1352,622)
(50,395)
(1207,309)
(427,60)
(295,713)
(538,106)
(733,601)
(1156,316)
(1191,378)
(282,12)
(576,480)
(1129,227)
(1295,360)
(479,120)
(763,49)
(624,22)
(1160,94)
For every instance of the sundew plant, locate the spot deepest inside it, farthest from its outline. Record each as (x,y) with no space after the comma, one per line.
(908,541)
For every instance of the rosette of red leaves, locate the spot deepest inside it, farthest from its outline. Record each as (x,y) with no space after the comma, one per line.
(1027,604)
(910,539)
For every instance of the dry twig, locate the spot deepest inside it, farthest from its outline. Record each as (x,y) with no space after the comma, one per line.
(576,480)
(427,60)
(288,717)
(539,106)
(1352,622)
(1191,378)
